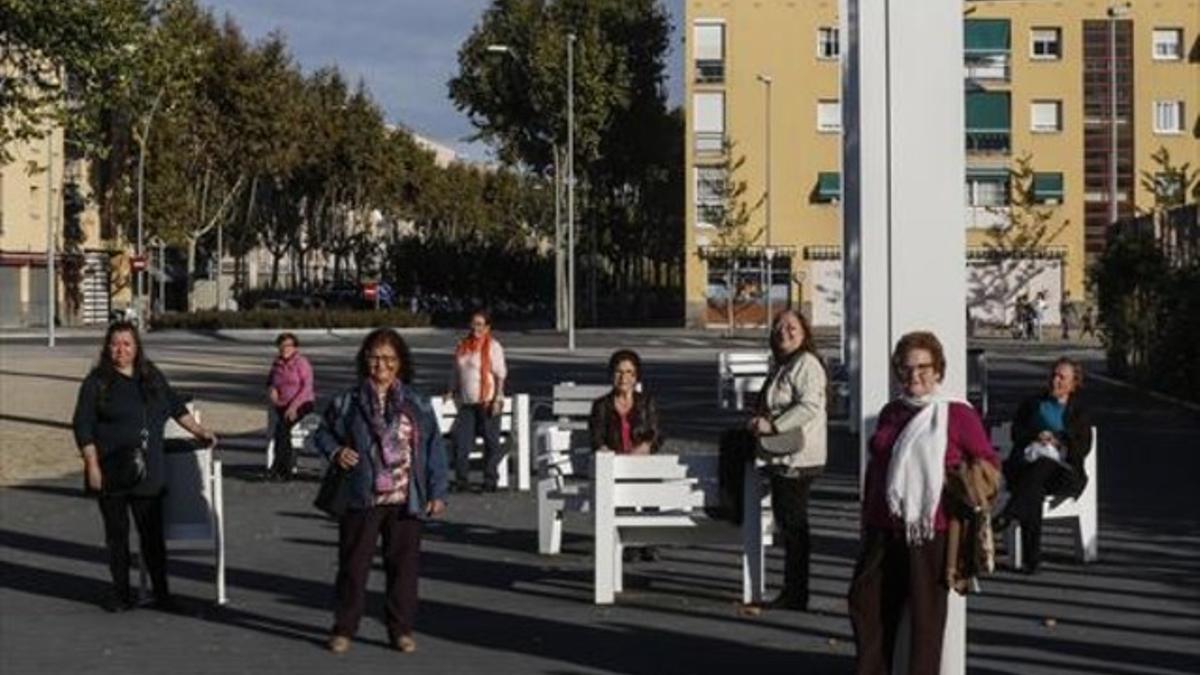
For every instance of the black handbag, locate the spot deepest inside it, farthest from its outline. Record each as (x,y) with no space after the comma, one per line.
(334,496)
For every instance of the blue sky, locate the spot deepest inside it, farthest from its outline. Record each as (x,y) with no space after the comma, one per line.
(405,50)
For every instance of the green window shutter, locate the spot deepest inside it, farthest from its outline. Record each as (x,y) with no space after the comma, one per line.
(988,111)
(829,186)
(986,36)
(1048,187)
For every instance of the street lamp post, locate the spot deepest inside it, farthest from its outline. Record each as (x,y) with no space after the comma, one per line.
(1115,11)
(51,286)
(145,138)
(571,192)
(770,252)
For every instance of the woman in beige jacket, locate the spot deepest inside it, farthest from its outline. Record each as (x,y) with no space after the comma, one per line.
(790,425)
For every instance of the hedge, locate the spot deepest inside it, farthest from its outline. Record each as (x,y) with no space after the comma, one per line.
(289,318)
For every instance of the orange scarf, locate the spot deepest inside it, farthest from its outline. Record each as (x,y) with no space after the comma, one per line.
(483,345)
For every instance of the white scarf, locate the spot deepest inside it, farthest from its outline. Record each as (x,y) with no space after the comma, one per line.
(917,470)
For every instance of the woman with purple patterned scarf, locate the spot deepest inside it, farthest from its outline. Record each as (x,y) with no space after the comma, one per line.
(384,435)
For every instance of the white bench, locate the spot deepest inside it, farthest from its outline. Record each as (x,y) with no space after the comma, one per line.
(193,509)
(625,487)
(562,484)
(514,432)
(302,435)
(739,373)
(1083,509)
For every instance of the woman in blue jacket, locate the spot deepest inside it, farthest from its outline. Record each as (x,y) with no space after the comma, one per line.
(385,435)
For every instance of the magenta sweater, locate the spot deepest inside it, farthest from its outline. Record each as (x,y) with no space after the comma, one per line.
(966,437)
(293,379)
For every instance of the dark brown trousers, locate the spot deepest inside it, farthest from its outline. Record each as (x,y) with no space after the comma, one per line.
(888,576)
(358,532)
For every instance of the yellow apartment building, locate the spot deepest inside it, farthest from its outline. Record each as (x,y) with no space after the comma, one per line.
(1038,96)
(32,188)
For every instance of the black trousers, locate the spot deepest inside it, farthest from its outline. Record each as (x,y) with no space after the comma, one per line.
(789,502)
(473,421)
(358,532)
(148,517)
(888,575)
(1031,484)
(285,454)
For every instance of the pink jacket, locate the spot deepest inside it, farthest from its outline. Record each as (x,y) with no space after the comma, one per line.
(966,438)
(293,379)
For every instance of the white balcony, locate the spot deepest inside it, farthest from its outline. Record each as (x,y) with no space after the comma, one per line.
(988,216)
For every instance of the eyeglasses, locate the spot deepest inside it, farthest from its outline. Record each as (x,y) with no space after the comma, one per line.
(385,360)
(919,368)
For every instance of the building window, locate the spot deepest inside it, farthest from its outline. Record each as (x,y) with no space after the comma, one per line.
(1048,188)
(827,43)
(987,189)
(710,196)
(1168,44)
(709,51)
(1045,116)
(709,108)
(988,122)
(1168,117)
(829,187)
(829,116)
(1045,43)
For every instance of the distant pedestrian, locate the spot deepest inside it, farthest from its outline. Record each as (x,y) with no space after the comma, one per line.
(292,394)
(1065,310)
(1088,325)
(385,436)
(1040,308)
(477,386)
(123,405)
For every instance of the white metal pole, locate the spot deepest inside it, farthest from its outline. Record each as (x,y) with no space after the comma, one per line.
(571,191)
(766,80)
(1113,211)
(560,314)
(51,287)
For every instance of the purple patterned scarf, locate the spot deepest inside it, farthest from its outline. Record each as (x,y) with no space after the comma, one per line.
(385,427)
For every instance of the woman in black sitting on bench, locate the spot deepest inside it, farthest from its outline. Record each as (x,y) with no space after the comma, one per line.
(1051,436)
(625,421)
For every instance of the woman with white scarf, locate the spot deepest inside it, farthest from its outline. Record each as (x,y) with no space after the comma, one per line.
(918,438)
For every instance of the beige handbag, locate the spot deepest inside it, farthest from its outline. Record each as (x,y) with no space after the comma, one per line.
(781,444)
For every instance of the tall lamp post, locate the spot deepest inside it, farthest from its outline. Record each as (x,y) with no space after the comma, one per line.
(51,285)
(1115,11)
(770,252)
(141,179)
(570,299)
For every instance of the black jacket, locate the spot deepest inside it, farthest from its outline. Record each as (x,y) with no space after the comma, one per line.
(604,426)
(1078,438)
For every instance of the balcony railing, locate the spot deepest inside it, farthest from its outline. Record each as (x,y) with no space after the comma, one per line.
(710,71)
(710,142)
(990,67)
(989,141)
(987,216)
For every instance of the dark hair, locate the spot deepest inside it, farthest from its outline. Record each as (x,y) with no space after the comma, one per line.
(388,336)
(144,370)
(808,344)
(284,337)
(483,312)
(625,355)
(1076,367)
(920,339)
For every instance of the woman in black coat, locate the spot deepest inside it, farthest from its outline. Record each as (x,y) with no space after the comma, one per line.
(1051,436)
(123,405)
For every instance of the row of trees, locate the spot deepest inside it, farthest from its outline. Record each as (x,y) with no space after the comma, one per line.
(242,149)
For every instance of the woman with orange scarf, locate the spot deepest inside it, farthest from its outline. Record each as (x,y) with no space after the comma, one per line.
(477,386)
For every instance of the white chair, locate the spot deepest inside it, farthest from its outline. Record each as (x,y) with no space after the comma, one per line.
(1083,509)
(739,374)
(302,435)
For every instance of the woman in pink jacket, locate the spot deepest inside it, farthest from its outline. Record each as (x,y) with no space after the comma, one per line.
(291,392)
(918,437)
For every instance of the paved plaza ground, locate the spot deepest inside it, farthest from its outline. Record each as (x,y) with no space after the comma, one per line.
(491,604)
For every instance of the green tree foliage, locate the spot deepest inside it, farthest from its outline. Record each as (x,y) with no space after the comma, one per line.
(628,152)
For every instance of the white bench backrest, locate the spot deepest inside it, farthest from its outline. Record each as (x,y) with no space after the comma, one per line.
(669,482)
(445,410)
(732,364)
(574,401)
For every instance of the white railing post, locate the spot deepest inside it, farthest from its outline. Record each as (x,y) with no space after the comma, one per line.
(521,430)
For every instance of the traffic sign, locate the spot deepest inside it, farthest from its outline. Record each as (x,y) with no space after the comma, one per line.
(137,263)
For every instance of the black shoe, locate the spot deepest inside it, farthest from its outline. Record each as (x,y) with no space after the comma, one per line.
(117,603)
(649,554)
(788,601)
